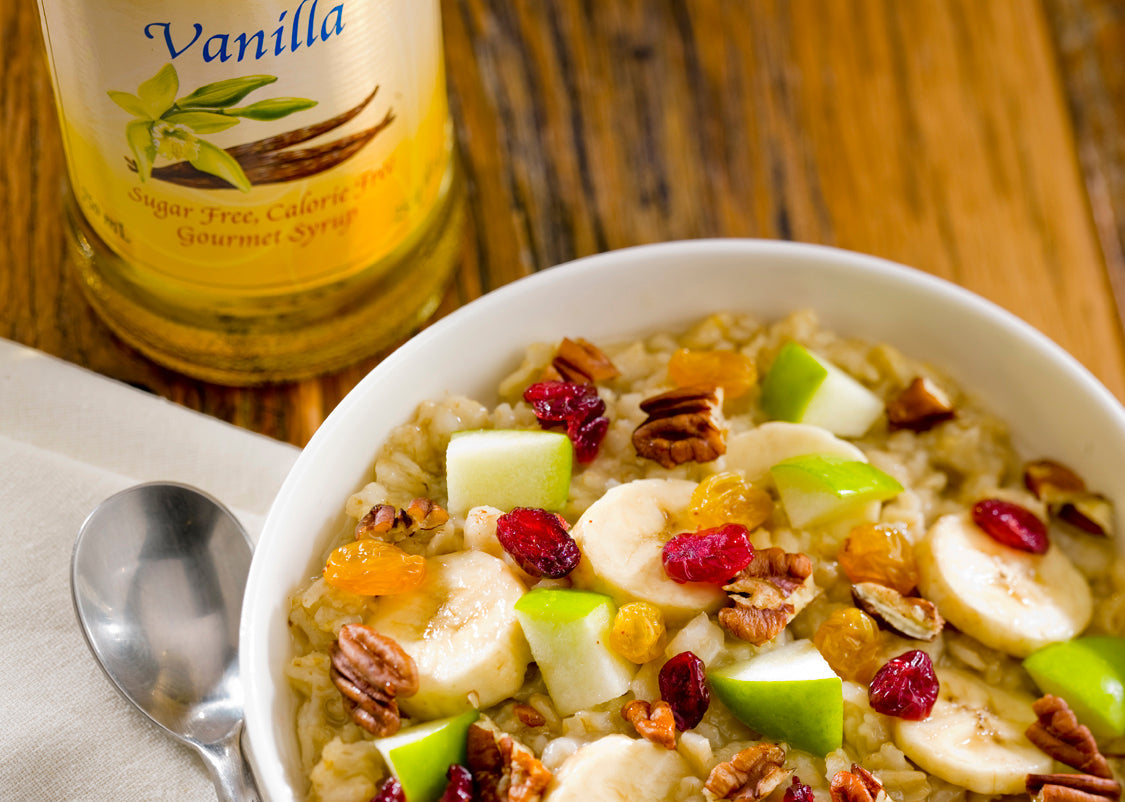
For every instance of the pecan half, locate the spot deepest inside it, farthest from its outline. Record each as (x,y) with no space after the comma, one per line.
(920,407)
(389,523)
(1072,788)
(370,670)
(750,775)
(654,722)
(765,595)
(504,770)
(856,785)
(1058,734)
(909,616)
(579,361)
(685,424)
(1065,494)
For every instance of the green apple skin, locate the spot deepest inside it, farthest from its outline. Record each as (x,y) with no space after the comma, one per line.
(791,382)
(1089,673)
(789,693)
(802,387)
(815,488)
(420,756)
(508,468)
(568,632)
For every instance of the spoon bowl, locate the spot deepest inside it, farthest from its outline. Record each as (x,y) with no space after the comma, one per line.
(158,574)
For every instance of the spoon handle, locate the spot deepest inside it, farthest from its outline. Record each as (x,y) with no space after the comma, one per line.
(230,770)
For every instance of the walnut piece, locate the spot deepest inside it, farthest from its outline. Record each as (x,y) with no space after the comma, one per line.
(920,407)
(579,361)
(856,785)
(1065,494)
(750,775)
(909,616)
(370,670)
(1058,734)
(685,424)
(654,722)
(504,770)
(767,594)
(385,522)
(1072,788)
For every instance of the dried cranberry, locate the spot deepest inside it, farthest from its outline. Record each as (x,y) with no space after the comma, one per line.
(683,685)
(1011,525)
(798,792)
(711,555)
(390,791)
(906,686)
(575,406)
(587,437)
(562,402)
(460,785)
(538,542)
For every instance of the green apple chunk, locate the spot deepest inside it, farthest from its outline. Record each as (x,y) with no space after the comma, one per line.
(508,468)
(789,693)
(802,387)
(568,631)
(816,488)
(1089,673)
(420,756)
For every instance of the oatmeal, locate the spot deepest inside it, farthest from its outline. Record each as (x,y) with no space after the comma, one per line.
(780,563)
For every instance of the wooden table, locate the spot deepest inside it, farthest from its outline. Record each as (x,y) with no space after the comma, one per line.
(980,140)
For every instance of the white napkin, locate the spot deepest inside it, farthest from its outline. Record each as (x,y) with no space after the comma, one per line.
(68,439)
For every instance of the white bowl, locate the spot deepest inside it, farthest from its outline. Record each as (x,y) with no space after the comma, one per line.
(1053,405)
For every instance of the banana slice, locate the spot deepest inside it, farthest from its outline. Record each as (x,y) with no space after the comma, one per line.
(974,736)
(1010,600)
(622,536)
(617,768)
(755,451)
(460,627)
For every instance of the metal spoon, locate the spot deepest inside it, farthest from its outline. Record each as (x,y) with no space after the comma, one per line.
(157,574)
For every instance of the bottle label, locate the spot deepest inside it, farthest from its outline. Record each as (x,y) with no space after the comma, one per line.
(251,146)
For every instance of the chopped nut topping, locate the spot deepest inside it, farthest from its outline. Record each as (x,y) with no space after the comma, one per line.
(579,361)
(528,715)
(765,595)
(1091,513)
(654,722)
(683,425)
(388,523)
(1065,494)
(1060,736)
(370,670)
(750,775)
(909,616)
(504,770)
(920,407)
(1072,788)
(857,785)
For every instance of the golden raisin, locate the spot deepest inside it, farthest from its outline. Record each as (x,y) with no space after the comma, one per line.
(733,371)
(638,632)
(851,642)
(879,553)
(724,498)
(372,567)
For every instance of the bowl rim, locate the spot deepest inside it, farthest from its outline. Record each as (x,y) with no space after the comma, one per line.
(895,276)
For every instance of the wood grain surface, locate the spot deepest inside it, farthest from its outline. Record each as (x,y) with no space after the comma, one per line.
(983,142)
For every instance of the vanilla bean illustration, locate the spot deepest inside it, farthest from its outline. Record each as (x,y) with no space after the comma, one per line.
(266,161)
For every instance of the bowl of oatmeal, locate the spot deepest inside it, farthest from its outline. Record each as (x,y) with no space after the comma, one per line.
(715,545)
